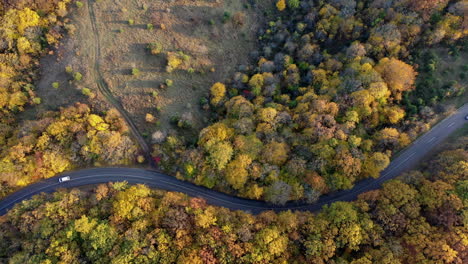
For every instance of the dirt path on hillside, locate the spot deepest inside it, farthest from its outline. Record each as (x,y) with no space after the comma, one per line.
(105,47)
(104,88)
(194,28)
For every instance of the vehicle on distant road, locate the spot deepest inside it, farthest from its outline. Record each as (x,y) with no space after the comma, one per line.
(64,179)
(466,117)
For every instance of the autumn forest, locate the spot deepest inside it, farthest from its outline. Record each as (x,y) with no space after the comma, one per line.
(279,101)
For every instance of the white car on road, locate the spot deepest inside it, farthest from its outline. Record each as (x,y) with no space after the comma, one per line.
(64,179)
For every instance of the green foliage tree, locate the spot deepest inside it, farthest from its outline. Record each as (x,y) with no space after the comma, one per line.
(294,3)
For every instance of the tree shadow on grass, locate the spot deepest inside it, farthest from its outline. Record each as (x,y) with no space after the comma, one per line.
(144,59)
(144,83)
(121,22)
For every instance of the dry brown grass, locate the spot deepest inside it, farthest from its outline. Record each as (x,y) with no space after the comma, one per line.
(74,50)
(187,29)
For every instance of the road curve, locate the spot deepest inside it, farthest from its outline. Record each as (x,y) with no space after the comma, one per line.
(407,159)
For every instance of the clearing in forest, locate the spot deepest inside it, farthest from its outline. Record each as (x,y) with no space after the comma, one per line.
(194,44)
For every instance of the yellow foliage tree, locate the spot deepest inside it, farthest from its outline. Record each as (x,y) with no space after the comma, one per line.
(394,114)
(15,22)
(256,83)
(281,5)
(218,91)
(6,73)
(43,141)
(94,145)
(374,164)
(206,218)
(97,122)
(236,171)
(62,8)
(379,91)
(85,225)
(128,204)
(398,75)
(404,140)
(273,240)
(219,154)
(174,61)
(17,99)
(254,191)
(56,162)
(214,133)
(267,115)
(239,107)
(363,101)
(24,46)
(27,18)
(59,129)
(276,153)
(249,145)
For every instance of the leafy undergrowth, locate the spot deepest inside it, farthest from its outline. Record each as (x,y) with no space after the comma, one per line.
(418,219)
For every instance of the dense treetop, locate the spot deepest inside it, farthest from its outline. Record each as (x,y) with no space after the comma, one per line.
(420,218)
(323,108)
(333,92)
(331,98)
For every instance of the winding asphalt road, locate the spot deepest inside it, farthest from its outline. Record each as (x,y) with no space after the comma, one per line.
(406,159)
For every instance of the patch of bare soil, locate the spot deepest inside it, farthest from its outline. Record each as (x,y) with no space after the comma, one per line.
(194,28)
